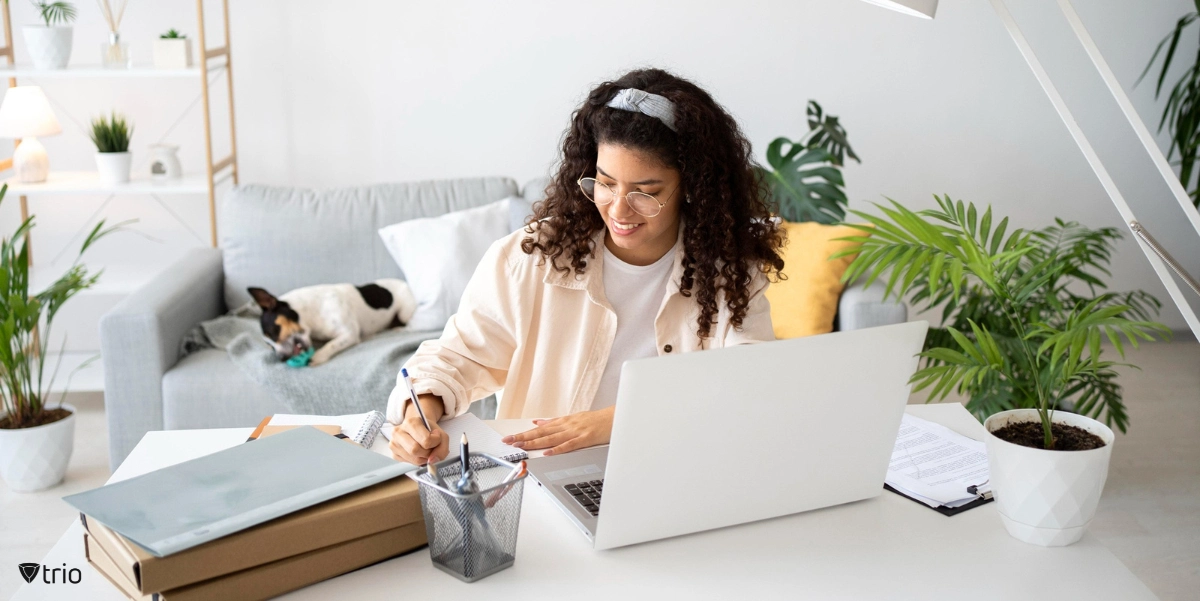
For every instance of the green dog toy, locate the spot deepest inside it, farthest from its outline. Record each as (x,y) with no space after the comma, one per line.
(301,360)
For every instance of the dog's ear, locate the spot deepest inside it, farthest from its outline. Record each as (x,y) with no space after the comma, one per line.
(263,298)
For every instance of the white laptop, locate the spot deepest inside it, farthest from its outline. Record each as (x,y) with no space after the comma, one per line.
(728,436)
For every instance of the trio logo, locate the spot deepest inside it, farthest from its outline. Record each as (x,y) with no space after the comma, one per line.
(29,571)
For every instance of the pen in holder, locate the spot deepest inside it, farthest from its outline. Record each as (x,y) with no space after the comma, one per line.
(472,534)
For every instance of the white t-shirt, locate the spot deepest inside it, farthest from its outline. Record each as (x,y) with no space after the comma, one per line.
(635,293)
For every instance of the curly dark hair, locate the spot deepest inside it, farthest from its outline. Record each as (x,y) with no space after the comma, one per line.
(728,231)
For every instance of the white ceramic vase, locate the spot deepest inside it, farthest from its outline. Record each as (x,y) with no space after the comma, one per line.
(164,163)
(33,459)
(49,47)
(1045,497)
(114,166)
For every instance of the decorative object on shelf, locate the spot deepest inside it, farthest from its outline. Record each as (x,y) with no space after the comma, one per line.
(1025,317)
(1181,116)
(114,54)
(50,44)
(111,136)
(172,50)
(806,181)
(164,163)
(35,440)
(26,114)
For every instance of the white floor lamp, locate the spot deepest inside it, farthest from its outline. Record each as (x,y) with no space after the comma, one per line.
(1159,258)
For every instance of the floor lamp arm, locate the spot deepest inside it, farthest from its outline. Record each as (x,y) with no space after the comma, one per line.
(1161,268)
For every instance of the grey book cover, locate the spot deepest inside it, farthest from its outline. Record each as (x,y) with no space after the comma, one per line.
(197,501)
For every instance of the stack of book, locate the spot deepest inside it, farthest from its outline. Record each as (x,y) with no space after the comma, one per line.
(245,526)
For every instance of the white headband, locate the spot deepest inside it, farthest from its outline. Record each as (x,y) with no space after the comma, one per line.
(653,105)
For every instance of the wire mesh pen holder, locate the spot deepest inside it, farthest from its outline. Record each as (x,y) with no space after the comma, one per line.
(472,536)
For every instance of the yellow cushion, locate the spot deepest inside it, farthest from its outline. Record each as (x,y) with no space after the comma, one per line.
(806,302)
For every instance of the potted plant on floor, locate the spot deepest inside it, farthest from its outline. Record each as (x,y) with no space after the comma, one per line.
(50,43)
(35,440)
(111,136)
(1026,315)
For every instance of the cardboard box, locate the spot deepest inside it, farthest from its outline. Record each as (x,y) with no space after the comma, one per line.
(276,578)
(382,507)
(108,568)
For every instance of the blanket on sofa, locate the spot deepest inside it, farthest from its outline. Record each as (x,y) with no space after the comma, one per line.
(356,380)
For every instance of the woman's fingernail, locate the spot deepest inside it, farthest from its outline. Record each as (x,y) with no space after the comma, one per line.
(506,439)
(548,452)
(519,445)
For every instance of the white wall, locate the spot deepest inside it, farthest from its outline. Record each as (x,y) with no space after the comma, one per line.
(332,94)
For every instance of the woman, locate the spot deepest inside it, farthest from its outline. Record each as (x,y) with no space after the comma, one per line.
(654,238)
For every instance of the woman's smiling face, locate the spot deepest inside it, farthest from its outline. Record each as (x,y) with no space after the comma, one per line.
(632,237)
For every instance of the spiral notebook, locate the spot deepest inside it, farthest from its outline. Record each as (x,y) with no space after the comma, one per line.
(482,437)
(359,427)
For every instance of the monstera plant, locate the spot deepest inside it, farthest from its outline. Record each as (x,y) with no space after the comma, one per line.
(805,179)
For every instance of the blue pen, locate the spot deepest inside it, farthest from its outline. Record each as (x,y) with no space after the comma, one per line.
(413,394)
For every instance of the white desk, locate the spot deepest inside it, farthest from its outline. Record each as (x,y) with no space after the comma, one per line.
(882,548)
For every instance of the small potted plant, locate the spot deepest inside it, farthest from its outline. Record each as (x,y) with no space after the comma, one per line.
(172,50)
(111,137)
(49,43)
(36,440)
(1025,316)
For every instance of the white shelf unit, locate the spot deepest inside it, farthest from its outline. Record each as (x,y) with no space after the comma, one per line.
(82,315)
(216,170)
(97,71)
(88,182)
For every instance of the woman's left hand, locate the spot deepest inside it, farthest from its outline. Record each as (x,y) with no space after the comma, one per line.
(563,434)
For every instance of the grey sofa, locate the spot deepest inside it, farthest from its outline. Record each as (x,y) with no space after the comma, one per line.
(280,239)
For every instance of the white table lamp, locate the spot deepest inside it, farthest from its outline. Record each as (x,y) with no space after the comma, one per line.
(26,114)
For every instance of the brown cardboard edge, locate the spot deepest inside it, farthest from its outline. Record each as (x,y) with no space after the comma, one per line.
(299,571)
(336,521)
(117,550)
(99,559)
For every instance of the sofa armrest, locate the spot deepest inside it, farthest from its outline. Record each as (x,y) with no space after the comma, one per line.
(863,307)
(140,339)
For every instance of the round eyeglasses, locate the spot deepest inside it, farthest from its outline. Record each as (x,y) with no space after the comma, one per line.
(602,194)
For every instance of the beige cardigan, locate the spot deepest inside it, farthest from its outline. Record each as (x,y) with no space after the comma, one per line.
(544,337)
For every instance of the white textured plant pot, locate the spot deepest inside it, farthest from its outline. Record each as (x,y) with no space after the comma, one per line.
(49,47)
(33,459)
(114,166)
(175,53)
(1045,497)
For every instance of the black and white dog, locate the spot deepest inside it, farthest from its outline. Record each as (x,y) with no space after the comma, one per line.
(342,314)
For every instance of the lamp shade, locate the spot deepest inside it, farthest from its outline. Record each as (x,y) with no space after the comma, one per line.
(26,113)
(916,8)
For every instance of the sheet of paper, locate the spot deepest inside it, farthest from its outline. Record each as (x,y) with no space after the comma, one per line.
(483,438)
(936,464)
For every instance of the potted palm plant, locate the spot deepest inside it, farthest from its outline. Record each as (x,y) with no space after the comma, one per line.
(1025,317)
(111,136)
(36,440)
(50,42)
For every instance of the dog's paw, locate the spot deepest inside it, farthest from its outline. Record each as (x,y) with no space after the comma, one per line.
(317,359)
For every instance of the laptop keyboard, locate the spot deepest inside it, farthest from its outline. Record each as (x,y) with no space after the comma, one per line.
(587,494)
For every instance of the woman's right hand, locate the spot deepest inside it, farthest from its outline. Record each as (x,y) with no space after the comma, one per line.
(411,442)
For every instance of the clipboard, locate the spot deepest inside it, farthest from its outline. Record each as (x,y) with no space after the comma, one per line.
(947,511)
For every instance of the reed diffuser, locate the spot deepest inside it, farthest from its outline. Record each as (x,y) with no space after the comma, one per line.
(114,54)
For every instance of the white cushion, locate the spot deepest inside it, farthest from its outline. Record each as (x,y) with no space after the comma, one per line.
(439,254)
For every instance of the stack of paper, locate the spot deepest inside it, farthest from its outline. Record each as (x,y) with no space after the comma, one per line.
(934,464)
